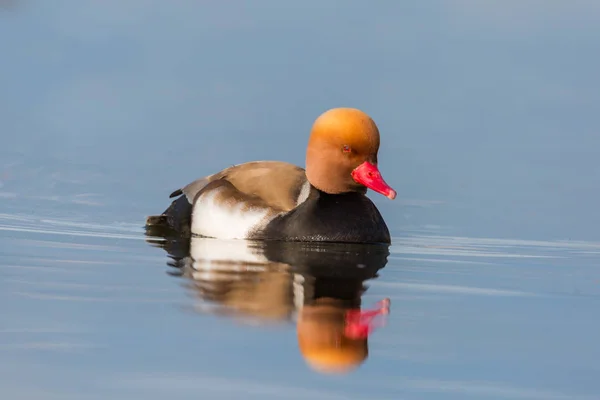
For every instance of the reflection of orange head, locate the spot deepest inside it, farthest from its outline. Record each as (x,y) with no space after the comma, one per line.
(322,341)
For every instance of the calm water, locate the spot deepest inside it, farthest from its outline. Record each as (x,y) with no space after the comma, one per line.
(489,113)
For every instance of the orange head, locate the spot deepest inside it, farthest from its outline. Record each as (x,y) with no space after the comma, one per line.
(342,153)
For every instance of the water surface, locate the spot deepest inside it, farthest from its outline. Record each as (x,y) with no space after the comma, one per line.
(489,121)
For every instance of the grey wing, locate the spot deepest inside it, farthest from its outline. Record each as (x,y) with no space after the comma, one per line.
(177,216)
(191,190)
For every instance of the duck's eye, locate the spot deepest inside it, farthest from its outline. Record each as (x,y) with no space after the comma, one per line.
(346,149)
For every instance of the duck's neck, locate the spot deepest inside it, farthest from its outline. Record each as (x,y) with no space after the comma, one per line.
(316,192)
(345,217)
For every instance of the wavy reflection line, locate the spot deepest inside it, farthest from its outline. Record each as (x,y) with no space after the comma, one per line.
(491,389)
(456,289)
(202,384)
(71,233)
(42,296)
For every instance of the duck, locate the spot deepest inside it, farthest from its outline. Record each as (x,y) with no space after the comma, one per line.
(275,200)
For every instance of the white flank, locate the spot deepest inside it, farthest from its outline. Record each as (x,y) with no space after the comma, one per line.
(225,221)
(304,192)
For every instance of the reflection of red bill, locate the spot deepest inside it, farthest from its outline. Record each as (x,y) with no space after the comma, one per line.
(359,324)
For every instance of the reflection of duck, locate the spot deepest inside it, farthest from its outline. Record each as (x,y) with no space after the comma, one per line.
(274,200)
(317,285)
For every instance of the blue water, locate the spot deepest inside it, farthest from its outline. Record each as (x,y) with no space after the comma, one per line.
(489,115)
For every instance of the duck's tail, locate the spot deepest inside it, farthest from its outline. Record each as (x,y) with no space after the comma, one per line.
(175,220)
(153,220)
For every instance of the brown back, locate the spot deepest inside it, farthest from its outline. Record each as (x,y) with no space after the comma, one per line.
(277,183)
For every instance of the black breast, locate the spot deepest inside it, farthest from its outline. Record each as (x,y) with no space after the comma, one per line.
(343,218)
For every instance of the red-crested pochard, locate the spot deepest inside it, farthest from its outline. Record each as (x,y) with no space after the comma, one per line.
(274,200)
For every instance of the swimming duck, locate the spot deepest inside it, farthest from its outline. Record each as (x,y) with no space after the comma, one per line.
(274,200)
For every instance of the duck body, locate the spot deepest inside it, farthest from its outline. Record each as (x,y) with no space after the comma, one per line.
(274,200)
(271,200)
(343,218)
